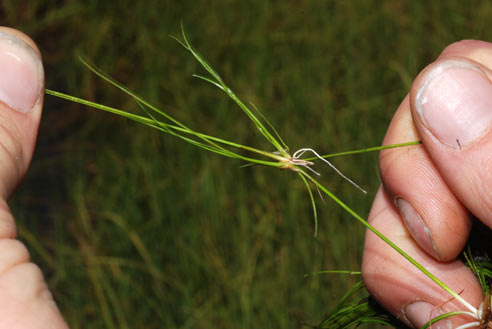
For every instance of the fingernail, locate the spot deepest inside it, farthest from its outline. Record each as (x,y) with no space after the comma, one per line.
(21,74)
(416,226)
(455,103)
(419,313)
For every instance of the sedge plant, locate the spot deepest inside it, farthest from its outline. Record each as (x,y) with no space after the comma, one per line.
(344,315)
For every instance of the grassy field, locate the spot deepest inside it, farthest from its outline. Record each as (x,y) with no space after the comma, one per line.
(135,229)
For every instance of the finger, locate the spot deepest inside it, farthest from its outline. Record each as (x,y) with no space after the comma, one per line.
(451,104)
(21,98)
(399,286)
(25,301)
(430,211)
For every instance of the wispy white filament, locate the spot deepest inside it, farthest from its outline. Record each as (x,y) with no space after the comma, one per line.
(299,153)
(469,325)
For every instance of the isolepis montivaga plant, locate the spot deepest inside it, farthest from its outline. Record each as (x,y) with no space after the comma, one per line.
(344,315)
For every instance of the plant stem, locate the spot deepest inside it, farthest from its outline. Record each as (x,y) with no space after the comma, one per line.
(369,149)
(391,244)
(160,125)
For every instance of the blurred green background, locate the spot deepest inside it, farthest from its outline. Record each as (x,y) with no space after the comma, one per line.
(134,229)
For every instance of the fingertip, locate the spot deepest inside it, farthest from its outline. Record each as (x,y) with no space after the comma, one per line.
(432,214)
(451,104)
(396,283)
(22,36)
(21,101)
(477,50)
(22,78)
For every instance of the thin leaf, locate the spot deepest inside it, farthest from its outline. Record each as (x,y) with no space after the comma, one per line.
(271,127)
(390,243)
(218,85)
(313,204)
(333,272)
(366,150)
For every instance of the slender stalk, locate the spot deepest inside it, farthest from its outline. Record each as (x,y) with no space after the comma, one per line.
(218,82)
(313,203)
(448,315)
(390,243)
(334,272)
(366,150)
(163,127)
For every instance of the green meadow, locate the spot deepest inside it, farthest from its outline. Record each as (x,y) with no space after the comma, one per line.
(137,229)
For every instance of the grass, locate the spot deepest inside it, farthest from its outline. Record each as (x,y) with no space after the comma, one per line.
(137,230)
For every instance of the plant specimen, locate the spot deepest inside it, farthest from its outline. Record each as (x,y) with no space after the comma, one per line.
(344,315)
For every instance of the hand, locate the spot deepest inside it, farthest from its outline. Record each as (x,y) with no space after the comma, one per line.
(25,301)
(430,191)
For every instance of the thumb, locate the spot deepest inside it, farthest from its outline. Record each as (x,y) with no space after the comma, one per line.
(451,104)
(25,301)
(21,98)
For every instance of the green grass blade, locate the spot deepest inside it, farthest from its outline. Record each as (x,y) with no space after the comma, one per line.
(357,287)
(170,128)
(313,204)
(333,272)
(443,316)
(284,145)
(474,267)
(165,128)
(352,314)
(366,150)
(218,80)
(200,59)
(218,85)
(127,91)
(115,83)
(390,243)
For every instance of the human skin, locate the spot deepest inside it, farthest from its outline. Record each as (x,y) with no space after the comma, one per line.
(430,193)
(25,301)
